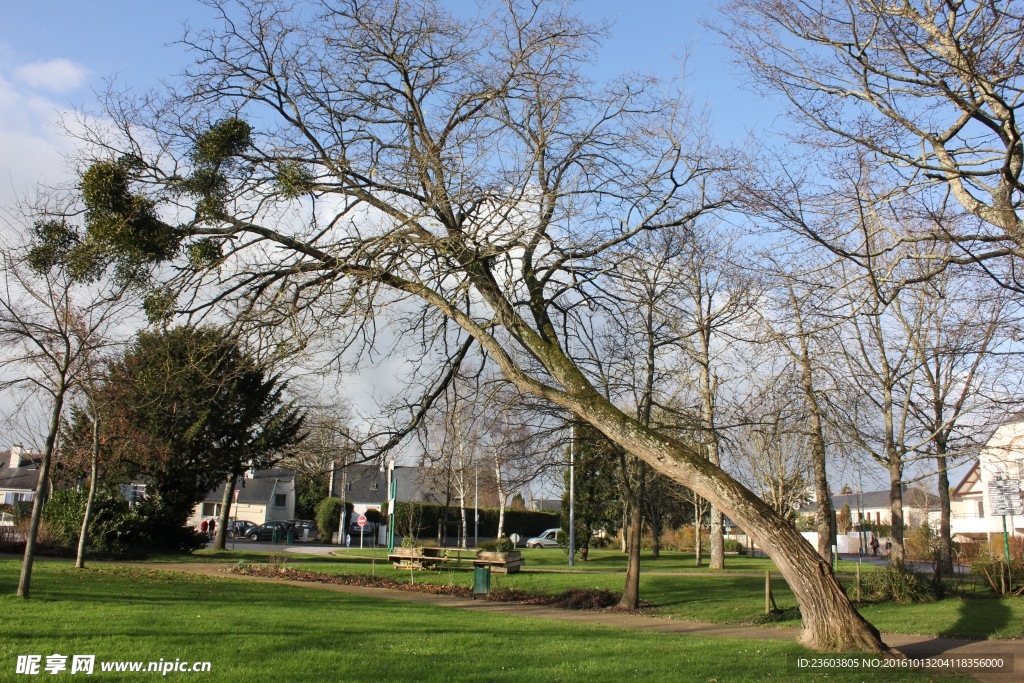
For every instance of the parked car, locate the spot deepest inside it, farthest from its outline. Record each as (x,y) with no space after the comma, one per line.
(240,528)
(302,526)
(6,519)
(265,532)
(548,539)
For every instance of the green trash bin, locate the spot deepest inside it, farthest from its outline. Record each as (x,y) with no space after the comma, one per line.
(276,537)
(291,535)
(481,579)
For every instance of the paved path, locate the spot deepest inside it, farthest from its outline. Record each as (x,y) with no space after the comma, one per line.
(912,646)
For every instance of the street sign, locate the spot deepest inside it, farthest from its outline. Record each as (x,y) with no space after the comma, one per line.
(361,521)
(1004,497)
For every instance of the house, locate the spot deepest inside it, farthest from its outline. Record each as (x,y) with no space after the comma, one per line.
(874,507)
(1002,457)
(19,475)
(259,496)
(365,486)
(545,504)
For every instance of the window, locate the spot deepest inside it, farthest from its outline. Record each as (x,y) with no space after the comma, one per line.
(211,509)
(348,486)
(981,508)
(373,485)
(280,500)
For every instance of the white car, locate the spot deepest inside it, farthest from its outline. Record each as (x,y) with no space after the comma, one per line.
(548,539)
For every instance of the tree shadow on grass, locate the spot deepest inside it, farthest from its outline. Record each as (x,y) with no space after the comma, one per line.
(978,618)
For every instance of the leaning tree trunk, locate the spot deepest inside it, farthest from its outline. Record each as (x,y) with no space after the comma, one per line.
(25,579)
(83,536)
(225,513)
(631,592)
(830,621)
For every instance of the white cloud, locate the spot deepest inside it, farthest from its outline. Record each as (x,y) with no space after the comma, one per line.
(55,75)
(31,144)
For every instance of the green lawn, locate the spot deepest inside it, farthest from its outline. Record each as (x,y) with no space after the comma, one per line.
(260,632)
(678,591)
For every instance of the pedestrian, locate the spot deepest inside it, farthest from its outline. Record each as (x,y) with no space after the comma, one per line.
(874,546)
(348,540)
(213,527)
(203,527)
(888,546)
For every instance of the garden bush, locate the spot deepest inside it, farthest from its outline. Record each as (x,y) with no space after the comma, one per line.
(896,582)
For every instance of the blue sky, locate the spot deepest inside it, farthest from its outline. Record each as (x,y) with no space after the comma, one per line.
(53,53)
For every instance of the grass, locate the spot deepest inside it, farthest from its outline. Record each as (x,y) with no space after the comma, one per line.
(680,591)
(263,632)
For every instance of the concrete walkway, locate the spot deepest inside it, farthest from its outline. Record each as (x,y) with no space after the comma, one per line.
(910,645)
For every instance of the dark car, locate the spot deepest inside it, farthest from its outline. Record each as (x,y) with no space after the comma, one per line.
(240,528)
(369,531)
(305,529)
(265,532)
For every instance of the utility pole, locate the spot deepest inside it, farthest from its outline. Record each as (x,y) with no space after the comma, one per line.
(476,509)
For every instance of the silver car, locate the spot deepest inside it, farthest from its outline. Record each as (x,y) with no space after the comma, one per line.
(548,539)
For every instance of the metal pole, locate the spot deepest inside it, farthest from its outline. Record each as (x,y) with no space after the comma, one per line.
(392,502)
(1006,541)
(343,528)
(860,509)
(572,495)
(476,509)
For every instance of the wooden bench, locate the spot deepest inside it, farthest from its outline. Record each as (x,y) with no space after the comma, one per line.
(417,558)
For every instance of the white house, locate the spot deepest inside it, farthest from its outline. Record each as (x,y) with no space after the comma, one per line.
(970,506)
(874,507)
(260,496)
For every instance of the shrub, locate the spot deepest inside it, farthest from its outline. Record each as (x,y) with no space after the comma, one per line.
(922,543)
(898,583)
(504,544)
(116,530)
(63,514)
(733,546)
(328,516)
(490,545)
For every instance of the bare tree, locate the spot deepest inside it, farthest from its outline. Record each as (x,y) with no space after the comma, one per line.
(959,331)
(933,88)
(799,323)
(462,169)
(773,449)
(52,328)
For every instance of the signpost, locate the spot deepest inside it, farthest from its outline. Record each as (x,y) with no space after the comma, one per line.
(1004,497)
(362,524)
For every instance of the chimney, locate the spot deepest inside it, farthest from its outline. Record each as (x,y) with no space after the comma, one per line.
(16,452)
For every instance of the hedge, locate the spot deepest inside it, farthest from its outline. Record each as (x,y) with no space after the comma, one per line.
(426,518)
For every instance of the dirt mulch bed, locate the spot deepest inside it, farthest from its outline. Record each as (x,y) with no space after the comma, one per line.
(573,598)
